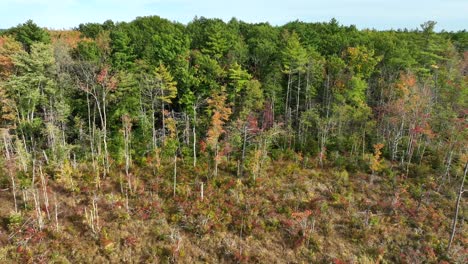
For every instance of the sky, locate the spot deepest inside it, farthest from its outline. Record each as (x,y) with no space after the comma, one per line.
(451,15)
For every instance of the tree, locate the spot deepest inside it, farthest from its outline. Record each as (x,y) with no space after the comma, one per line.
(32,91)
(262,40)
(220,113)
(29,33)
(99,85)
(294,59)
(158,90)
(457,207)
(127,134)
(8,49)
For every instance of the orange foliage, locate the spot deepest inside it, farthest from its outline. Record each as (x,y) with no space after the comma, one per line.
(299,216)
(221,114)
(69,37)
(406,82)
(8,47)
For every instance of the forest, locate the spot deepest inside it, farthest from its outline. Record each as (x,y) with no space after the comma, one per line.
(153,141)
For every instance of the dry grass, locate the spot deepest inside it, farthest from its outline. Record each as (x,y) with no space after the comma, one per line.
(293,215)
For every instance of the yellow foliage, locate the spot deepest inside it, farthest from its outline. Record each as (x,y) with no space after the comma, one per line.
(375,163)
(171,126)
(64,176)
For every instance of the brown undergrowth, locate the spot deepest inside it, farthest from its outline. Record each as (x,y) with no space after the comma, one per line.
(296,214)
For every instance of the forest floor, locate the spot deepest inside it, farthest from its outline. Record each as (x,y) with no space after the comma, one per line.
(295,213)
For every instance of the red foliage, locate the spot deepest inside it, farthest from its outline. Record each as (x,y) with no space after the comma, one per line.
(267,116)
(241,257)
(130,241)
(102,76)
(34,235)
(252,124)
(417,130)
(298,216)
(202,146)
(20,249)
(106,80)
(430,253)
(338,261)
(226,149)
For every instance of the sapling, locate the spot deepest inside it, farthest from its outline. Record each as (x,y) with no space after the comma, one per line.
(56,213)
(175,173)
(201,190)
(127,130)
(44,191)
(37,206)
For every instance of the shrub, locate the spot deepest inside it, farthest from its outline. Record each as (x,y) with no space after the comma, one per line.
(14,220)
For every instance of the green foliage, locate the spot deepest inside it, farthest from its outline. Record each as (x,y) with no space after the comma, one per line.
(90,30)
(14,221)
(87,51)
(29,33)
(263,103)
(294,55)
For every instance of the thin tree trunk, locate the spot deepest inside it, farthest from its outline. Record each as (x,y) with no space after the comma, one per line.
(286,107)
(194,136)
(457,208)
(216,161)
(56,213)
(106,153)
(244,144)
(44,192)
(175,173)
(298,98)
(13,186)
(127,137)
(201,191)
(153,125)
(163,117)
(449,164)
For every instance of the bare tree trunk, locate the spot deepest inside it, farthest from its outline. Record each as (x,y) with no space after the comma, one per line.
(194,136)
(103,118)
(298,98)
(457,208)
(56,213)
(409,150)
(396,140)
(175,173)
(307,88)
(37,206)
(286,104)
(201,191)
(153,125)
(187,130)
(449,164)
(13,187)
(7,144)
(216,160)
(244,144)
(163,118)
(104,128)
(44,192)
(33,172)
(127,130)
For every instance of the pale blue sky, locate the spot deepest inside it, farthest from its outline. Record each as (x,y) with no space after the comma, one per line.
(379,14)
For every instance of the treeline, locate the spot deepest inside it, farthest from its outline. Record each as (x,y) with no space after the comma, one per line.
(154,92)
